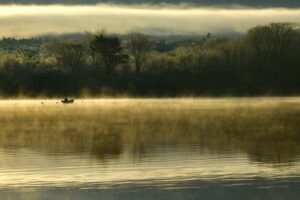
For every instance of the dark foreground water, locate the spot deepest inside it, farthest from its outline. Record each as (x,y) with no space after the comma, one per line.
(150,149)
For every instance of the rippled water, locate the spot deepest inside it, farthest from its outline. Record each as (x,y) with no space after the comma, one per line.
(150,149)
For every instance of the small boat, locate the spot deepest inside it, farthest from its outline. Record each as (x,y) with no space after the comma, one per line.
(66,100)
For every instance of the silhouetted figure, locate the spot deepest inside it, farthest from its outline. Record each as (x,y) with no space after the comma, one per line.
(66,100)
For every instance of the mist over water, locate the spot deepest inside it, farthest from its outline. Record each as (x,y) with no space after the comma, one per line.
(150,148)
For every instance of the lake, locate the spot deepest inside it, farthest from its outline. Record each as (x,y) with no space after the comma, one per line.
(202,148)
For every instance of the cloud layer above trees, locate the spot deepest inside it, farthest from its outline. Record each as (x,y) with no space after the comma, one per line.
(252,3)
(34,20)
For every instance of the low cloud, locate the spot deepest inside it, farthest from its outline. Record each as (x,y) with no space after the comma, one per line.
(32,20)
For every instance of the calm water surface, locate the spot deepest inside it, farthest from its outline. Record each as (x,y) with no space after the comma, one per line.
(150,149)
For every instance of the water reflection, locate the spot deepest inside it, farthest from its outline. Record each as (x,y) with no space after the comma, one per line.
(267,131)
(113,142)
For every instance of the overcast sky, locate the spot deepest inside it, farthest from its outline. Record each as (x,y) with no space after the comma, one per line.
(253,3)
(196,17)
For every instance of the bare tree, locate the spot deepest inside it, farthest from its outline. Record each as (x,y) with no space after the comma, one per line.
(272,40)
(139,46)
(69,55)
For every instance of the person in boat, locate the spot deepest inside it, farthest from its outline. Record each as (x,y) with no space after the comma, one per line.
(66,100)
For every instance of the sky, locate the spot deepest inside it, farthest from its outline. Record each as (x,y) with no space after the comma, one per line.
(27,18)
(253,3)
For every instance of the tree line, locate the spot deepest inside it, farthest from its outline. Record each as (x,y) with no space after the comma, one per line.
(265,61)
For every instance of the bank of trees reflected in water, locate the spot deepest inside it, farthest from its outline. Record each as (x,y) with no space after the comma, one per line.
(267,130)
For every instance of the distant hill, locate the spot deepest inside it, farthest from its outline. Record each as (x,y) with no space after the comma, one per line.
(170,42)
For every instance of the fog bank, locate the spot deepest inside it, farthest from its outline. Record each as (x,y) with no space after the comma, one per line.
(32,20)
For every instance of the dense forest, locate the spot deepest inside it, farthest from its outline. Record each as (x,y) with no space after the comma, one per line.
(264,61)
